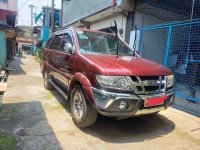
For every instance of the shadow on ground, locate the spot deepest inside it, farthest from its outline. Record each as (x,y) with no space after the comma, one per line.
(65,103)
(16,65)
(125,131)
(24,126)
(131,130)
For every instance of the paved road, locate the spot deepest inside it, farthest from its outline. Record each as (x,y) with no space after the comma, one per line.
(37,119)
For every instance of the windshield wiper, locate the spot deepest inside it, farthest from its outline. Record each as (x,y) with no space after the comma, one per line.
(134,44)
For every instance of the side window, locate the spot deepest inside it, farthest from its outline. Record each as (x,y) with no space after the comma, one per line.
(67,43)
(56,42)
(48,44)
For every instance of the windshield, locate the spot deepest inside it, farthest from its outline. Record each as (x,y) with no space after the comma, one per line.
(99,43)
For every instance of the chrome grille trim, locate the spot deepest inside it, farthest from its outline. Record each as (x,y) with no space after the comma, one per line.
(143,85)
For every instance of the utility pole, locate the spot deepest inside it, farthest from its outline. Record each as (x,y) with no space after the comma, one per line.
(32,43)
(52,16)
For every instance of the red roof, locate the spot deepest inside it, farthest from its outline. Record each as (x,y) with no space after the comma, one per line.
(4,13)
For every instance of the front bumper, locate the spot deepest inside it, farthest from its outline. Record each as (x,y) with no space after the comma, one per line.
(107,103)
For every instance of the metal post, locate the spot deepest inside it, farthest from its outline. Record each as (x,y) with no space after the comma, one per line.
(139,43)
(167,51)
(32,43)
(52,16)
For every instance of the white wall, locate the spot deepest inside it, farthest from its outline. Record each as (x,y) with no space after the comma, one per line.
(153,43)
(12,5)
(132,40)
(121,23)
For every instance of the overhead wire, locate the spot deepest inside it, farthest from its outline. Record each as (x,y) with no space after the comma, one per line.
(23,5)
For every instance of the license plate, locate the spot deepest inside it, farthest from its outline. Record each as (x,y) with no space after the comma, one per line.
(155,101)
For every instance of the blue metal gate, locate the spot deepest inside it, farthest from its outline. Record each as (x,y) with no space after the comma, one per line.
(170,35)
(176,46)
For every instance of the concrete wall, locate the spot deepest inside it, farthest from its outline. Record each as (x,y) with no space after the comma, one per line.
(23,31)
(76,10)
(12,5)
(121,23)
(153,43)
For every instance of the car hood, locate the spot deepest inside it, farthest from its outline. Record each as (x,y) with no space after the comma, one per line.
(127,65)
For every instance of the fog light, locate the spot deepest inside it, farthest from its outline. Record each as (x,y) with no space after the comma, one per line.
(171,100)
(123,105)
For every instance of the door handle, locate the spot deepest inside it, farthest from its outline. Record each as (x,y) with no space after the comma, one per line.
(67,67)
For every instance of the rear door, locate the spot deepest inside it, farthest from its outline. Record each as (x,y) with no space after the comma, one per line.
(46,53)
(54,49)
(65,59)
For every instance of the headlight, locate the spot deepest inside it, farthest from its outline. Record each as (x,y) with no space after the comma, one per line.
(116,82)
(170,81)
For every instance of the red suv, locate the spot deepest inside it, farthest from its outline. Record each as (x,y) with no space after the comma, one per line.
(100,74)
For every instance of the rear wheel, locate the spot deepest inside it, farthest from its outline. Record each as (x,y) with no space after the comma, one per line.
(41,67)
(83,113)
(47,84)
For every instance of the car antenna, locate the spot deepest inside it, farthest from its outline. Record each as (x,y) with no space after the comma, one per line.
(116,34)
(134,44)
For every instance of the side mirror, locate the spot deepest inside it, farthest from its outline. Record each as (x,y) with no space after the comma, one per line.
(68,48)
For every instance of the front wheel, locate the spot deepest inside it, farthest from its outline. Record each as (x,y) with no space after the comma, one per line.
(83,113)
(41,68)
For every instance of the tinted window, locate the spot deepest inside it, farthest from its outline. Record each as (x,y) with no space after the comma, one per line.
(48,44)
(56,43)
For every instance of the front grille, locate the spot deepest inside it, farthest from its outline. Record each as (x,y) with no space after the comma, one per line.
(148,84)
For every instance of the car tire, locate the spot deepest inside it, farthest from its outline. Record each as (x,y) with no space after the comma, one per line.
(83,113)
(41,68)
(47,84)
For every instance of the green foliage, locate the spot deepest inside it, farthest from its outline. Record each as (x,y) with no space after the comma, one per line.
(38,55)
(7,142)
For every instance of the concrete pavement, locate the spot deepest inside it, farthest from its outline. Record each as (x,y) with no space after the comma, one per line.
(33,118)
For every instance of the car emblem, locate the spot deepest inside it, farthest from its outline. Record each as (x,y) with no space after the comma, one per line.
(151,82)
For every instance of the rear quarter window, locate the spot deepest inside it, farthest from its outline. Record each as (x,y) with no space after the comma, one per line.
(48,44)
(56,43)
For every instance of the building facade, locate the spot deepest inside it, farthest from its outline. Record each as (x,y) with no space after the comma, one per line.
(168,32)
(44,17)
(101,14)
(8,15)
(8,12)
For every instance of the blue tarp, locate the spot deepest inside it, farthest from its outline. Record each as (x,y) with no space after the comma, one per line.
(38,16)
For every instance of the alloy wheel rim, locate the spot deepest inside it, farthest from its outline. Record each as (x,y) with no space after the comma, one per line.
(45,79)
(78,106)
